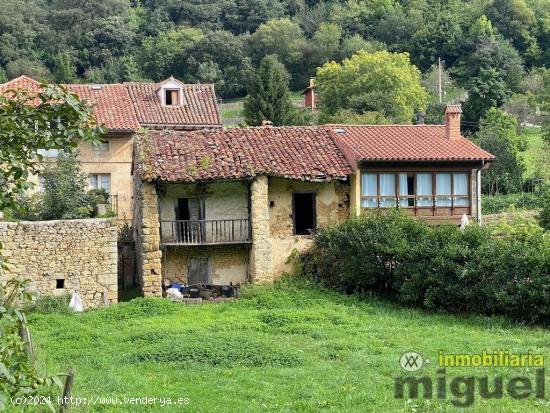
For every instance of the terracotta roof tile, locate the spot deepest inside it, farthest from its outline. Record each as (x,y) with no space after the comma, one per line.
(404,143)
(453,109)
(303,153)
(112,105)
(199,109)
(127,107)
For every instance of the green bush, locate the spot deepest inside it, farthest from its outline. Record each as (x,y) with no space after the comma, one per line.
(501,203)
(47,304)
(544,215)
(476,270)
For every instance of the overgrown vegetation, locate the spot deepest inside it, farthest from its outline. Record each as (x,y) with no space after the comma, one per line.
(19,376)
(438,268)
(293,346)
(63,194)
(511,202)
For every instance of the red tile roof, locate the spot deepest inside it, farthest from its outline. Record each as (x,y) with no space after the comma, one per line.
(112,105)
(404,143)
(127,107)
(303,153)
(199,109)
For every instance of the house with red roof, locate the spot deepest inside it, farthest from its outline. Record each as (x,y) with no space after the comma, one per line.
(124,109)
(230,206)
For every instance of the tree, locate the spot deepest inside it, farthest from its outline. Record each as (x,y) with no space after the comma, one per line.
(65,190)
(50,119)
(326,43)
(489,90)
(522,107)
(162,55)
(284,39)
(381,82)
(244,16)
(268,95)
(218,57)
(498,135)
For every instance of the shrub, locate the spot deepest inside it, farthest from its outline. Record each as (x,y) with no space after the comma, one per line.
(501,203)
(47,304)
(544,215)
(482,270)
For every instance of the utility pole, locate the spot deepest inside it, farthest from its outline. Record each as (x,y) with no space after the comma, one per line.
(439,88)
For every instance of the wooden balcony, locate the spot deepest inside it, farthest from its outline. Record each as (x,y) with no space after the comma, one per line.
(205,232)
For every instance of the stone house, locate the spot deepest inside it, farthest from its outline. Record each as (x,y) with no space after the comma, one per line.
(124,109)
(229,206)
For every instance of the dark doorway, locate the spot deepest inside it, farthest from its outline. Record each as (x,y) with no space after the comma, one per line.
(303,213)
(188,215)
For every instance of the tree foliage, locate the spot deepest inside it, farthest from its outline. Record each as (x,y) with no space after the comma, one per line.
(50,119)
(382,82)
(268,95)
(498,135)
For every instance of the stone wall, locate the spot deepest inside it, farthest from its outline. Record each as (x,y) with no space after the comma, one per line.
(261,265)
(62,257)
(147,226)
(228,263)
(332,206)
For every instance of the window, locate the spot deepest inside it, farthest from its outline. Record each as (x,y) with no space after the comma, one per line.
(171,97)
(369,190)
(102,146)
(460,187)
(406,189)
(415,189)
(48,153)
(100,181)
(443,190)
(60,283)
(424,189)
(387,190)
(303,213)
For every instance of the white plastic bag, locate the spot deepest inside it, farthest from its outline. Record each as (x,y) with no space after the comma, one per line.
(76,303)
(174,293)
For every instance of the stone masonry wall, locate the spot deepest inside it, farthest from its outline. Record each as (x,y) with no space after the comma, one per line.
(62,257)
(261,265)
(148,241)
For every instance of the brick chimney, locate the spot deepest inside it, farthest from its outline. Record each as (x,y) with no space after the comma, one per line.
(452,121)
(309,95)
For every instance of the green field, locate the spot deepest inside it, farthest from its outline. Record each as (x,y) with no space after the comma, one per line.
(288,348)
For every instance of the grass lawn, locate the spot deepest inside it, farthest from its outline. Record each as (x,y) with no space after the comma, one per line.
(287,348)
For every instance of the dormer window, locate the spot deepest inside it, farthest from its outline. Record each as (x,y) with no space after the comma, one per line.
(171,97)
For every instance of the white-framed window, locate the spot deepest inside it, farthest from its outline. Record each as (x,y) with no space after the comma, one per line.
(101,146)
(48,153)
(100,181)
(415,189)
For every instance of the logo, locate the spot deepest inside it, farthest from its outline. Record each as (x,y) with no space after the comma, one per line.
(412,361)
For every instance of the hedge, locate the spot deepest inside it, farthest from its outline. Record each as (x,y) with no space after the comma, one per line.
(437,268)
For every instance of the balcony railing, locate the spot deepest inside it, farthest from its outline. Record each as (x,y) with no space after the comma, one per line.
(203,232)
